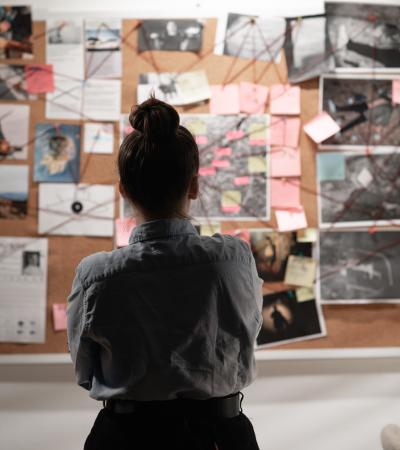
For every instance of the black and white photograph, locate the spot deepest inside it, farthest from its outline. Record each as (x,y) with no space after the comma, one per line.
(363,35)
(103,57)
(359,266)
(250,37)
(13,84)
(367,194)
(175,88)
(271,250)
(16,32)
(185,35)
(233,166)
(64,32)
(31,263)
(286,319)
(305,50)
(362,107)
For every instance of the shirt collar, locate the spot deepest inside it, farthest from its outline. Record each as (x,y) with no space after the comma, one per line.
(161,228)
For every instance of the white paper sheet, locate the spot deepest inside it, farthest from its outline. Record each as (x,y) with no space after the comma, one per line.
(99,138)
(102,100)
(76,210)
(23,280)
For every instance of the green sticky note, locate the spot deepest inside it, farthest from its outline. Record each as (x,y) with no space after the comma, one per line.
(331,166)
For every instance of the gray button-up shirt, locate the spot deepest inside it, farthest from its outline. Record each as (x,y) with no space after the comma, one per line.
(171,315)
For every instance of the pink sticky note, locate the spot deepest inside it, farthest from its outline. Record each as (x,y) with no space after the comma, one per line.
(284,99)
(285,193)
(231,209)
(223,151)
(201,140)
(221,163)
(234,135)
(242,234)
(224,99)
(241,181)
(285,162)
(123,229)
(321,127)
(291,220)
(396,90)
(39,78)
(285,131)
(207,171)
(60,316)
(252,97)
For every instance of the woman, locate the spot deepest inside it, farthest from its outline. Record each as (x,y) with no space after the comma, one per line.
(163,330)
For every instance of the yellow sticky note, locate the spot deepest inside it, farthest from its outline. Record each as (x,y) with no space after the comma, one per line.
(307,235)
(300,271)
(196,127)
(209,229)
(257,132)
(231,198)
(304,294)
(257,164)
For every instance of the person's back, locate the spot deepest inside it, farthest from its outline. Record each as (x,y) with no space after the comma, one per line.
(166,326)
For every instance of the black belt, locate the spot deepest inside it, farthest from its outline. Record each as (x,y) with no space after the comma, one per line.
(215,408)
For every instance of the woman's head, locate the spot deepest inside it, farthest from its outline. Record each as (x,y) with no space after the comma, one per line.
(158,162)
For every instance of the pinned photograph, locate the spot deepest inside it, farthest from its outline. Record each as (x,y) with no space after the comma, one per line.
(363,35)
(362,193)
(99,138)
(174,88)
(233,166)
(362,107)
(31,263)
(15,32)
(13,85)
(103,58)
(272,249)
(76,210)
(250,37)
(185,35)
(305,48)
(14,131)
(14,185)
(57,153)
(287,318)
(359,266)
(64,32)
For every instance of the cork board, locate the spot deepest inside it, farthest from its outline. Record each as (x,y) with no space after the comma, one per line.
(347,326)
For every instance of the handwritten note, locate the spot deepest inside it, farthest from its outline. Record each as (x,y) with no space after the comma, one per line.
(321,127)
(123,230)
(257,164)
(224,99)
(300,271)
(59,316)
(258,134)
(291,220)
(331,166)
(285,193)
(305,294)
(252,97)
(284,99)
(231,201)
(285,162)
(39,78)
(285,131)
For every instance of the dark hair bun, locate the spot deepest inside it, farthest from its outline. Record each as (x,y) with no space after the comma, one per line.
(157,120)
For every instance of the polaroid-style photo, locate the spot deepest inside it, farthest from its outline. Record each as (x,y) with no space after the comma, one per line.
(31,263)
(287,318)
(14,131)
(365,193)
(185,35)
(362,107)
(64,32)
(363,35)
(271,250)
(359,266)
(305,48)
(234,182)
(250,37)
(57,153)
(13,85)
(103,57)
(16,32)
(14,185)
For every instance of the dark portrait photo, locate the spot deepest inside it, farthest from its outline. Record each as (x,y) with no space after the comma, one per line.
(15,32)
(31,263)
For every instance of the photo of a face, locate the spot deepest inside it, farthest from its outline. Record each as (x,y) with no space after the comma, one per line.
(31,263)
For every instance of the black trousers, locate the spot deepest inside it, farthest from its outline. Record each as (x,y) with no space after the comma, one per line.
(112,431)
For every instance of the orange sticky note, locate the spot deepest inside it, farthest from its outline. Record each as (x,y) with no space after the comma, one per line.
(285,194)
(39,78)
(221,163)
(252,97)
(291,220)
(285,162)
(285,131)
(224,99)
(223,151)
(60,316)
(241,181)
(284,99)
(207,171)
(233,135)
(321,127)
(396,90)
(123,229)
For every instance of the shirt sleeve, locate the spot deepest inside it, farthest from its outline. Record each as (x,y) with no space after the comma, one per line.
(257,286)
(80,346)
